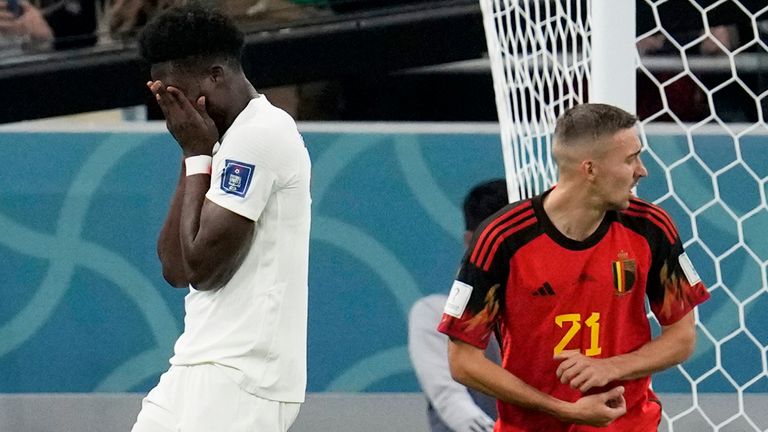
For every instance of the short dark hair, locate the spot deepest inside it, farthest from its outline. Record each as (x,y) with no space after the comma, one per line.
(592,121)
(484,200)
(190,32)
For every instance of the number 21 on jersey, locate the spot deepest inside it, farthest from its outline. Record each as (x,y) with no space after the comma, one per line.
(573,323)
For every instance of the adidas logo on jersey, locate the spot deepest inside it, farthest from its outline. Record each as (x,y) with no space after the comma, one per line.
(544,290)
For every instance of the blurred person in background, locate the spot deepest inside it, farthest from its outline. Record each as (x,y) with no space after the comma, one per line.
(127,17)
(453,407)
(60,25)
(686,100)
(29,30)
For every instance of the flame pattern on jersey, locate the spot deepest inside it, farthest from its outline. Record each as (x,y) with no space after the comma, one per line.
(488,312)
(679,295)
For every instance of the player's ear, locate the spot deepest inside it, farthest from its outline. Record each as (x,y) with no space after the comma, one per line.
(588,169)
(216,73)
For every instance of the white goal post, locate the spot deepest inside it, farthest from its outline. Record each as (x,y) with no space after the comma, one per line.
(703,108)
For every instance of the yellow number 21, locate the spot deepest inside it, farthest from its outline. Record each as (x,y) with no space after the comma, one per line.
(575,319)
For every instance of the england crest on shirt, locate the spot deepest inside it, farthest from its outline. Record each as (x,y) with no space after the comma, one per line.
(237,177)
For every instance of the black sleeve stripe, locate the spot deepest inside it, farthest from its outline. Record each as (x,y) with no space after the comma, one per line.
(653,219)
(511,227)
(646,206)
(493,229)
(656,215)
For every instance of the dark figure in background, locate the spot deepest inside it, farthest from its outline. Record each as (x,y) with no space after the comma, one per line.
(451,406)
(58,24)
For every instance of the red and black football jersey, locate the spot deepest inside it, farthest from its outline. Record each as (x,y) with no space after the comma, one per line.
(544,293)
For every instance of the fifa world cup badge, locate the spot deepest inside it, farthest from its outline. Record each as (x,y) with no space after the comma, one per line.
(237,177)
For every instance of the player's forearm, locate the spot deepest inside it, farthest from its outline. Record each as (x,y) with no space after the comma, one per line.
(198,265)
(676,343)
(506,387)
(213,244)
(482,374)
(168,242)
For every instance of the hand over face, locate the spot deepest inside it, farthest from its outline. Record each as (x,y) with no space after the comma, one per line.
(190,124)
(582,372)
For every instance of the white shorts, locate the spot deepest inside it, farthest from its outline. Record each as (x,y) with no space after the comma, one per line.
(203,398)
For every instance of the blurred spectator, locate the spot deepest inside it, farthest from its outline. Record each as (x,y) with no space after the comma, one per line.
(267,13)
(61,24)
(684,97)
(127,17)
(315,100)
(29,29)
(453,407)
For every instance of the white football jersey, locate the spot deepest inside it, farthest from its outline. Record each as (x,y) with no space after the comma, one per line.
(255,327)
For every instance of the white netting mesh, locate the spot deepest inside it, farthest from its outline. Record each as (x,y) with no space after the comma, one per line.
(540,58)
(703,101)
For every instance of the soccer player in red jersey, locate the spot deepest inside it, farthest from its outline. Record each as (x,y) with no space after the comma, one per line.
(562,278)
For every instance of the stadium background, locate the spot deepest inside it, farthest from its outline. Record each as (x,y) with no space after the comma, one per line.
(86,310)
(86,313)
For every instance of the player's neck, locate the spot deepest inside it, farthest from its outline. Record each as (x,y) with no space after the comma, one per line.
(572,212)
(242,95)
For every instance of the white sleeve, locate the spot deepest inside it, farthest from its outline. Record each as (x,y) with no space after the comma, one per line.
(428,350)
(243,176)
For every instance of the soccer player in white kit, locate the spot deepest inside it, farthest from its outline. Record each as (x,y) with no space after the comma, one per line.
(236,234)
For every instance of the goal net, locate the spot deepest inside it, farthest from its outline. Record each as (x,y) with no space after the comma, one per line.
(701,71)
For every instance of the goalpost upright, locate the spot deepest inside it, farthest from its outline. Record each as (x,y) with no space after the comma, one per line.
(613,54)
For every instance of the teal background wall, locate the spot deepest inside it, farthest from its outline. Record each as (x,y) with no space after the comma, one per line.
(84,308)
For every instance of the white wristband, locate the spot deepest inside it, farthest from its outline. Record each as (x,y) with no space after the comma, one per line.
(198,164)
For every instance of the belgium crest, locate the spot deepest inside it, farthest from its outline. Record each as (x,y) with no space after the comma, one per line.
(624,270)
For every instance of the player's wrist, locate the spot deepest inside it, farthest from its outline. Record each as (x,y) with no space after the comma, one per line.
(613,369)
(572,412)
(198,164)
(200,146)
(566,412)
